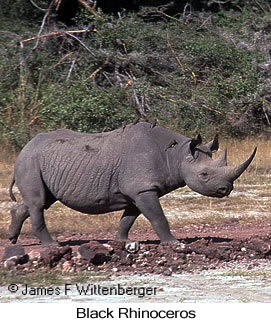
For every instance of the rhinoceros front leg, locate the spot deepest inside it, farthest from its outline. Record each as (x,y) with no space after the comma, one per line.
(148,203)
(127,220)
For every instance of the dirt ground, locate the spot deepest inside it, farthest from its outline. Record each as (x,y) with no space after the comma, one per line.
(202,247)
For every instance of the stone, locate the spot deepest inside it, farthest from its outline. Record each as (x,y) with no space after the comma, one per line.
(132,247)
(12,251)
(9,264)
(94,252)
(115,269)
(67,267)
(167,272)
(108,247)
(34,255)
(117,245)
(52,255)
(14,255)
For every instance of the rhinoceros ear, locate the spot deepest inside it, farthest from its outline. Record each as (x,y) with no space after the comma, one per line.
(194,143)
(214,144)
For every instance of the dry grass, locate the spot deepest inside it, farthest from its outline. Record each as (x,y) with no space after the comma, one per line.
(7,159)
(250,201)
(239,151)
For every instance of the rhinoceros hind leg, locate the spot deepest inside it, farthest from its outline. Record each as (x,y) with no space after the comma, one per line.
(19,213)
(127,220)
(36,198)
(39,227)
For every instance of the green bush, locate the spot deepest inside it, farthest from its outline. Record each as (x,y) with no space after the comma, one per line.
(189,72)
(84,109)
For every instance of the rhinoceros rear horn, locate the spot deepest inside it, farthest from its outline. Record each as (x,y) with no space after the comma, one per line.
(214,144)
(238,170)
(222,159)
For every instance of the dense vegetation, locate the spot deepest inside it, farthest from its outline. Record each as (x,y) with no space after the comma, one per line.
(193,69)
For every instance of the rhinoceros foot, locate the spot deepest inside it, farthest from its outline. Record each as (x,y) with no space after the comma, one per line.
(13,240)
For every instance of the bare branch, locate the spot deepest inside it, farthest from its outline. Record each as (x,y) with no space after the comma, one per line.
(41,28)
(71,35)
(54,33)
(70,70)
(90,9)
(211,2)
(63,58)
(179,61)
(57,3)
(204,22)
(47,14)
(92,75)
(35,5)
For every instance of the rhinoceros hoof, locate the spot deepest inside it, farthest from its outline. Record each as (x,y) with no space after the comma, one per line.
(13,240)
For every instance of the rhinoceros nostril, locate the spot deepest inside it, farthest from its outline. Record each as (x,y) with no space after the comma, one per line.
(223,190)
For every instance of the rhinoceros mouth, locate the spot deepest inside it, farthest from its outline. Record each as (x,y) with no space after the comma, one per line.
(223,191)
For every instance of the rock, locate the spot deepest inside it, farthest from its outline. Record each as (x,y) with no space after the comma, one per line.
(9,264)
(117,245)
(94,252)
(13,256)
(132,247)
(259,246)
(52,255)
(115,269)
(167,272)
(179,247)
(115,258)
(34,255)
(13,251)
(67,267)
(127,261)
(265,67)
(109,247)
(162,261)
(16,261)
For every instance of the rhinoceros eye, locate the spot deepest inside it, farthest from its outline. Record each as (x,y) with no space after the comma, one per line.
(204,176)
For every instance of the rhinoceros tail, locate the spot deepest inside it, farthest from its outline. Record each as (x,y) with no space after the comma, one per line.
(10,189)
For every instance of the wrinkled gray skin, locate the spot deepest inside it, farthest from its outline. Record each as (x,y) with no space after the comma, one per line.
(126,169)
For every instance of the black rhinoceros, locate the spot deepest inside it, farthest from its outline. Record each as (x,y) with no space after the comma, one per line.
(128,168)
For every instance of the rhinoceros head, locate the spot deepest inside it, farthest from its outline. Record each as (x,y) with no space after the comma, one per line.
(207,176)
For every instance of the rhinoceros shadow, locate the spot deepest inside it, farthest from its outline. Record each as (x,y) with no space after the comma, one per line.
(149,242)
(80,242)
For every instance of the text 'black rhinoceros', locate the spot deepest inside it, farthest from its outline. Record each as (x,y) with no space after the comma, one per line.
(128,168)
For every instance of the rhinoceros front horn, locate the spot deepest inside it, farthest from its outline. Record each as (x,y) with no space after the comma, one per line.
(238,170)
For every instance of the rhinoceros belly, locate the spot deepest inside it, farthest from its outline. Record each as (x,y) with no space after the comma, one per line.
(87,182)
(99,206)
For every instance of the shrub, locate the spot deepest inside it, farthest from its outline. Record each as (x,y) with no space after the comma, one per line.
(84,109)
(189,71)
